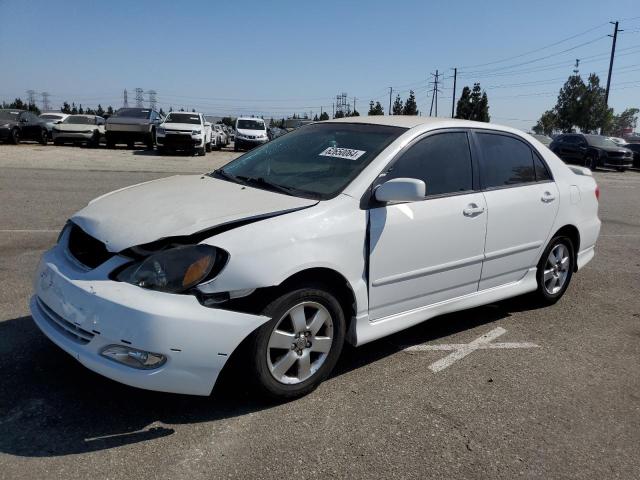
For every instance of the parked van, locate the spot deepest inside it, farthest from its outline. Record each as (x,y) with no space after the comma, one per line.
(250,132)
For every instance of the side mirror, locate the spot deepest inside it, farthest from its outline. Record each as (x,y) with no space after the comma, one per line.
(207,124)
(401,190)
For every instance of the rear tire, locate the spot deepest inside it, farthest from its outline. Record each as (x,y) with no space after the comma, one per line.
(555,270)
(592,162)
(290,355)
(151,140)
(15,136)
(44,137)
(95,140)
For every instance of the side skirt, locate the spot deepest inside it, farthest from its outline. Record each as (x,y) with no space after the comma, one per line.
(367,331)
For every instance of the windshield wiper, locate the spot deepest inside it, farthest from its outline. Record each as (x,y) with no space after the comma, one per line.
(261,182)
(221,173)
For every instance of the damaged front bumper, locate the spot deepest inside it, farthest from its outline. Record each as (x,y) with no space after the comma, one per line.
(84,312)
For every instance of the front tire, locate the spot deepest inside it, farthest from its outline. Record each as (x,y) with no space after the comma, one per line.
(44,137)
(592,162)
(15,136)
(555,270)
(298,348)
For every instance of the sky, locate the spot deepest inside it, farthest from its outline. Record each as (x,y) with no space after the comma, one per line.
(276,58)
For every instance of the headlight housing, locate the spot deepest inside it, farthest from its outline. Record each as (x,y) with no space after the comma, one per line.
(196,132)
(174,270)
(159,131)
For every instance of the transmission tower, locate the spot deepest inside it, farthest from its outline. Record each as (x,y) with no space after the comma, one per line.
(125,102)
(342,105)
(31,97)
(139,97)
(152,99)
(45,101)
(575,68)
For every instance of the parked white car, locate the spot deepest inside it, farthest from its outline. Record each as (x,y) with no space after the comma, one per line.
(345,230)
(184,131)
(250,132)
(222,139)
(89,129)
(50,119)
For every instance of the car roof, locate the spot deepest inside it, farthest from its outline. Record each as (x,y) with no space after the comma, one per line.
(250,118)
(412,121)
(88,115)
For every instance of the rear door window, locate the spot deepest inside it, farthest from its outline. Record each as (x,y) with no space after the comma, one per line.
(506,161)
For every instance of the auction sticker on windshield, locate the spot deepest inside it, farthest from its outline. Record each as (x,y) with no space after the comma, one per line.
(347,153)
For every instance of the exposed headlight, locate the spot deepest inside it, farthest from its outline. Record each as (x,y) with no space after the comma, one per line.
(4,125)
(196,132)
(174,270)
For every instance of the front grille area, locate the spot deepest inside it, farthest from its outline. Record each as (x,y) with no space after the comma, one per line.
(89,251)
(179,140)
(67,328)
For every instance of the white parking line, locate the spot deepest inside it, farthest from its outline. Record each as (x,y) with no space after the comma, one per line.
(30,231)
(461,350)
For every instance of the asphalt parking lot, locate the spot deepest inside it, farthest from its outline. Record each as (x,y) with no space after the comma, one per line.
(557,396)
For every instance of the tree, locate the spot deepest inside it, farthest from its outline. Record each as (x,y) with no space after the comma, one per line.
(464,107)
(397,106)
(324,116)
(74,109)
(410,106)
(593,110)
(627,120)
(355,113)
(547,123)
(568,108)
(339,114)
(315,117)
(99,110)
(161,112)
(375,109)
(80,110)
(66,108)
(110,110)
(473,104)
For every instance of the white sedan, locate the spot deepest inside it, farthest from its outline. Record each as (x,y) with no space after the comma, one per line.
(340,231)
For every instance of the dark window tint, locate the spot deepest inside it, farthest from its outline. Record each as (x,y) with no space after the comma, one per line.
(542,174)
(506,161)
(443,161)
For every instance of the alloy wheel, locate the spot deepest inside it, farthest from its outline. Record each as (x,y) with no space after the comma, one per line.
(300,343)
(556,269)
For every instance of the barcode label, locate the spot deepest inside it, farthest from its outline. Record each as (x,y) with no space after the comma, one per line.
(346,153)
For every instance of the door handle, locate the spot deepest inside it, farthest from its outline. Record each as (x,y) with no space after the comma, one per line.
(472,210)
(547,197)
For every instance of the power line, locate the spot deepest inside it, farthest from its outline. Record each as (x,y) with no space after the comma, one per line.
(537,49)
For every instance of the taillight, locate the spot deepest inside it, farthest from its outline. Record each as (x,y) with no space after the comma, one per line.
(597,193)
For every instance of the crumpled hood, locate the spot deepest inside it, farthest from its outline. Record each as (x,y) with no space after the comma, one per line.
(175,206)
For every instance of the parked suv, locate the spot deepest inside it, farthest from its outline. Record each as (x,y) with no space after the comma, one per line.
(591,151)
(131,125)
(17,125)
(185,131)
(250,132)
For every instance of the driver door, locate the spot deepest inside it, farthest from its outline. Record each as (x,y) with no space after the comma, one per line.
(431,250)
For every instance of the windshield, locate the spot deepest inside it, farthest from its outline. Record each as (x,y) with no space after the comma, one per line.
(80,120)
(9,115)
(133,113)
(316,161)
(599,141)
(183,118)
(47,116)
(251,124)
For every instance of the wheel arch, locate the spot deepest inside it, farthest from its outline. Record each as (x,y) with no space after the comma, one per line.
(571,232)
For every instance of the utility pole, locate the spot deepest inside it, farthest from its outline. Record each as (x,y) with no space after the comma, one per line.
(354,104)
(125,99)
(390,92)
(333,110)
(45,101)
(453,100)
(613,53)
(434,93)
